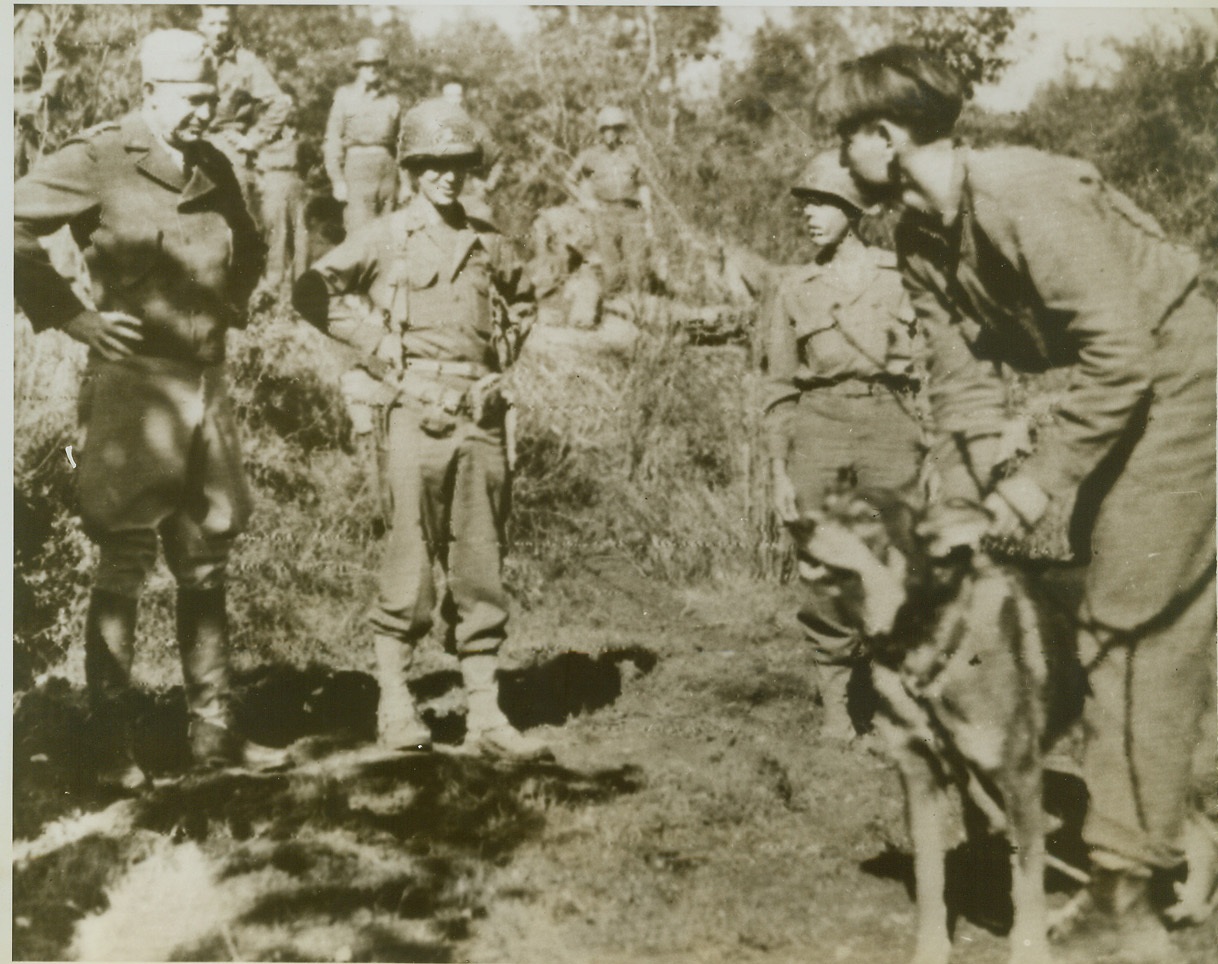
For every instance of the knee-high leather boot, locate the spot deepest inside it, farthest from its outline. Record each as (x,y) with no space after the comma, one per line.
(109,649)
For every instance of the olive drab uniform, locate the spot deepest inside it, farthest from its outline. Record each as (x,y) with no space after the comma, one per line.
(615,176)
(361,151)
(840,393)
(433,289)
(177,249)
(1047,266)
(251,105)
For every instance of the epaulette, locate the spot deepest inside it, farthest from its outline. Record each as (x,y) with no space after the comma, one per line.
(883,258)
(91,132)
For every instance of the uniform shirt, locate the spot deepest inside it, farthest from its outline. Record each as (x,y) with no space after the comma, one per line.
(180,252)
(1045,266)
(615,175)
(360,118)
(250,102)
(430,282)
(845,320)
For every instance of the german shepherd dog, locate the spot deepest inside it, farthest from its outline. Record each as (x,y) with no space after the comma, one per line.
(975,668)
(975,678)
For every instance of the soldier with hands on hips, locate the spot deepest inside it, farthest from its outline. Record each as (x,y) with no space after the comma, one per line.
(361,140)
(445,310)
(173,256)
(1017,257)
(839,391)
(609,180)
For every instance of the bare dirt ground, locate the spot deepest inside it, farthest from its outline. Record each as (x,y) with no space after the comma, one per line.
(690,816)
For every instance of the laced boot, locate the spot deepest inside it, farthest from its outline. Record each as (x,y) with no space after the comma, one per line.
(487,730)
(203,644)
(398,726)
(1113,919)
(109,647)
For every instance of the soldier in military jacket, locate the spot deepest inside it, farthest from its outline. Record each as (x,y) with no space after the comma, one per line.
(436,331)
(840,392)
(1025,259)
(173,256)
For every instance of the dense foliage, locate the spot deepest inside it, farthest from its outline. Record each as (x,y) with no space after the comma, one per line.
(647,452)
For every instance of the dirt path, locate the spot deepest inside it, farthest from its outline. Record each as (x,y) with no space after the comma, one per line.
(690,815)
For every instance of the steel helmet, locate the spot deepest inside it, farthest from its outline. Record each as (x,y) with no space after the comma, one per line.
(825,177)
(611,117)
(437,128)
(370,51)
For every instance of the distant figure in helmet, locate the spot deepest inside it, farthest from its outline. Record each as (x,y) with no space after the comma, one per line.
(608,179)
(839,335)
(360,148)
(444,312)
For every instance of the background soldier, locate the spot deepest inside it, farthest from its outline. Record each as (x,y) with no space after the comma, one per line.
(282,206)
(173,256)
(361,140)
(608,178)
(251,110)
(35,82)
(445,322)
(839,392)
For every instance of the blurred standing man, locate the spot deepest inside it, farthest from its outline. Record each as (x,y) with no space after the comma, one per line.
(608,179)
(361,140)
(34,83)
(251,110)
(448,315)
(1017,257)
(282,203)
(173,255)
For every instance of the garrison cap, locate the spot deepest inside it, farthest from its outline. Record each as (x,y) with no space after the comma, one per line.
(611,117)
(370,51)
(176,56)
(825,177)
(437,128)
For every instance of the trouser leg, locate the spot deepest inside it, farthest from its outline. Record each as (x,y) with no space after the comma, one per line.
(276,186)
(406,593)
(1142,720)
(475,555)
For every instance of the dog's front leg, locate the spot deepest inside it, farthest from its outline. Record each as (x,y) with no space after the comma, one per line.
(1023,793)
(926,799)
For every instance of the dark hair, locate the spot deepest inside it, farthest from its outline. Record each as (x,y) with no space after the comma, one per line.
(907,85)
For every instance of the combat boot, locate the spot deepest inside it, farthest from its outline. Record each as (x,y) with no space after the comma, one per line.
(109,648)
(836,724)
(398,726)
(487,730)
(203,645)
(1113,919)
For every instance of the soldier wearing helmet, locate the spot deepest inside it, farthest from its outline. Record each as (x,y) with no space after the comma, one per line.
(608,180)
(173,256)
(840,391)
(444,309)
(360,146)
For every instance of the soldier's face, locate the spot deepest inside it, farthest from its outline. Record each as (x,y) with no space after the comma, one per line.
(612,136)
(370,75)
(181,113)
(827,223)
(441,184)
(216,26)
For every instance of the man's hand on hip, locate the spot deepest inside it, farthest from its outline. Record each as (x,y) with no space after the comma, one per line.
(111,334)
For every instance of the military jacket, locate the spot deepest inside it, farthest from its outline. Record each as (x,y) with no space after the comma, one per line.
(615,175)
(360,118)
(250,102)
(179,252)
(1045,266)
(431,285)
(827,324)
